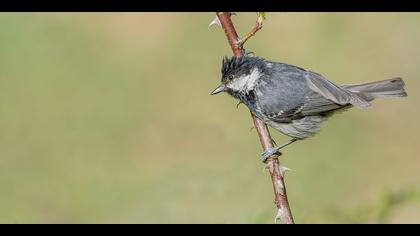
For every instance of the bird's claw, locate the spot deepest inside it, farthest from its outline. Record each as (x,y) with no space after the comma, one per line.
(270,152)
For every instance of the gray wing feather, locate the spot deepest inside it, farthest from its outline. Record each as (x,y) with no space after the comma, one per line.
(317,104)
(333,92)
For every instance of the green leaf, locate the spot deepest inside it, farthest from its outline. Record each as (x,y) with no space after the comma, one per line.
(261,16)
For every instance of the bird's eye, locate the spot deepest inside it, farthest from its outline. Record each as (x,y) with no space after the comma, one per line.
(230,78)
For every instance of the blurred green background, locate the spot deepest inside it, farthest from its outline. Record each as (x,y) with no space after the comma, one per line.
(107,118)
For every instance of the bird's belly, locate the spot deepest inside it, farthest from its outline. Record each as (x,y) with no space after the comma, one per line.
(287,129)
(301,128)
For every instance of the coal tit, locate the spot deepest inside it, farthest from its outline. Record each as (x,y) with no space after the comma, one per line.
(293,100)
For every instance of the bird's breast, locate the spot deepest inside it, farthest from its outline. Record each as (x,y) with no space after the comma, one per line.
(250,99)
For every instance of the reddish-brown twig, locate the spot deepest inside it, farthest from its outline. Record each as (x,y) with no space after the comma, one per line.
(277,173)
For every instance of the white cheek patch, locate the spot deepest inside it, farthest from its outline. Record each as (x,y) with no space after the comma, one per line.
(245,83)
(238,84)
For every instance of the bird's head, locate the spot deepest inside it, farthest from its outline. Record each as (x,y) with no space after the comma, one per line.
(240,74)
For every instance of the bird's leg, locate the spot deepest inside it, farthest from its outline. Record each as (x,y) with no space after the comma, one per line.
(271,151)
(274,142)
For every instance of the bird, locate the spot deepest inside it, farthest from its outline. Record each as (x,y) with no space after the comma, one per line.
(293,100)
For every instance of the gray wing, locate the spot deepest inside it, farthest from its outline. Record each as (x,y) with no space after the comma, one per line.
(314,105)
(332,92)
(292,93)
(317,104)
(282,94)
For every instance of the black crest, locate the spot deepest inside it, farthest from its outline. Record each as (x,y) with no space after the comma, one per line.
(234,64)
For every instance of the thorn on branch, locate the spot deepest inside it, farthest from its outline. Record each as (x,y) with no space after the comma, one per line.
(215,22)
(280,215)
(284,169)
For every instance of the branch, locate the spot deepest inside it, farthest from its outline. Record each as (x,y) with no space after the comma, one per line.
(258,25)
(273,165)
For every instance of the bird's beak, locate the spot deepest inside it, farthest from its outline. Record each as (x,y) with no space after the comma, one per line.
(219,89)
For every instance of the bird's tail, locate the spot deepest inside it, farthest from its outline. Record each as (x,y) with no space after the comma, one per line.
(379,89)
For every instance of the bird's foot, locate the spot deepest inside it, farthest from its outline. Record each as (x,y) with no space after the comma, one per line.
(270,152)
(275,150)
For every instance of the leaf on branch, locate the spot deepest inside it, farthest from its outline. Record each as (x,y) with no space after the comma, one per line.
(261,17)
